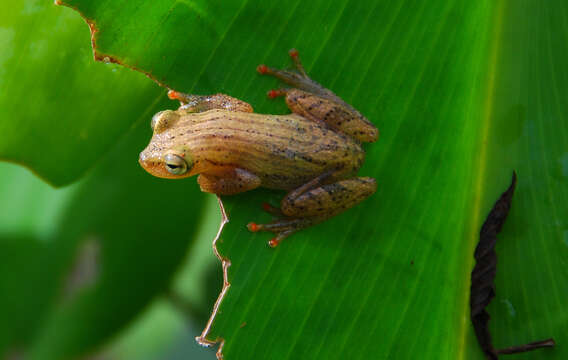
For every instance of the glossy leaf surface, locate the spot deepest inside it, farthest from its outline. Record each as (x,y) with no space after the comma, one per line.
(463,93)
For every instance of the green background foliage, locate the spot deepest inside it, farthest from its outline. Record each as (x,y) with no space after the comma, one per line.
(463,93)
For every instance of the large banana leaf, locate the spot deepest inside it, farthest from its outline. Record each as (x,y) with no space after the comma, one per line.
(463,93)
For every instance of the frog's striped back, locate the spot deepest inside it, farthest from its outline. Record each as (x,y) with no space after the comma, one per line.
(284,151)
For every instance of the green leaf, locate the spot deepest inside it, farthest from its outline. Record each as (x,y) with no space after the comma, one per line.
(21,311)
(115,247)
(59,110)
(463,93)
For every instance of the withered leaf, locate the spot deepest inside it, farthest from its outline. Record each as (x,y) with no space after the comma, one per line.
(483,276)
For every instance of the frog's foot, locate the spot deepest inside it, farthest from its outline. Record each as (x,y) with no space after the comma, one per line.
(313,203)
(298,79)
(281,227)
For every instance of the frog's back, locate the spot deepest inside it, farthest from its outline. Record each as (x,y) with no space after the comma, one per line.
(285,151)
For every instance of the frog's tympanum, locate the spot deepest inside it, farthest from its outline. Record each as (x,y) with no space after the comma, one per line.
(313,153)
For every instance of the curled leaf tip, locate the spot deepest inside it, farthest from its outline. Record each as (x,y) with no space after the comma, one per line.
(483,276)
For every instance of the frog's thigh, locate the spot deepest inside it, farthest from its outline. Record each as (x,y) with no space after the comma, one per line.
(340,117)
(233,181)
(329,200)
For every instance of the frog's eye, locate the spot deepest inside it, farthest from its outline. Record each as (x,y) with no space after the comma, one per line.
(175,164)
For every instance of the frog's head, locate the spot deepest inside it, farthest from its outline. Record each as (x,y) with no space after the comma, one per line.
(165,157)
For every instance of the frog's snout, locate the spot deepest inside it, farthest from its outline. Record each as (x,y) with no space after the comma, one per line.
(143,160)
(150,161)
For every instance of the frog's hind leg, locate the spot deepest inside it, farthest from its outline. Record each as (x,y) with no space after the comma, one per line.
(312,101)
(329,200)
(313,203)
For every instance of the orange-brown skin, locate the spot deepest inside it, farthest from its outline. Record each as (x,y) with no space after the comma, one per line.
(313,153)
(284,151)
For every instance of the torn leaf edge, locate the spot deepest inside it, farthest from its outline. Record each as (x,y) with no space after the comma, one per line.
(225,264)
(102,57)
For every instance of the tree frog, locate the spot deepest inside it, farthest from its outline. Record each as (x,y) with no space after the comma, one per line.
(313,153)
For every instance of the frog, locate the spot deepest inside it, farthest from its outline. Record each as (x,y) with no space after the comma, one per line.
(313,153)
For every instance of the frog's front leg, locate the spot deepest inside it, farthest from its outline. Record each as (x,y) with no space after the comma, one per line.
(313,101)
(228,181)
(201,103)
(313,203)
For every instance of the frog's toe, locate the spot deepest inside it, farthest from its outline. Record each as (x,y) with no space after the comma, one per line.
(272,209)
(277,226)
(294,54)
(263,69)
(296,59)
(274,93)
(278,238)
(290,77)
(254,227)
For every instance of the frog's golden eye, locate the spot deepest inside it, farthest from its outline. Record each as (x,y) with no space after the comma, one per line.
(175,164)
